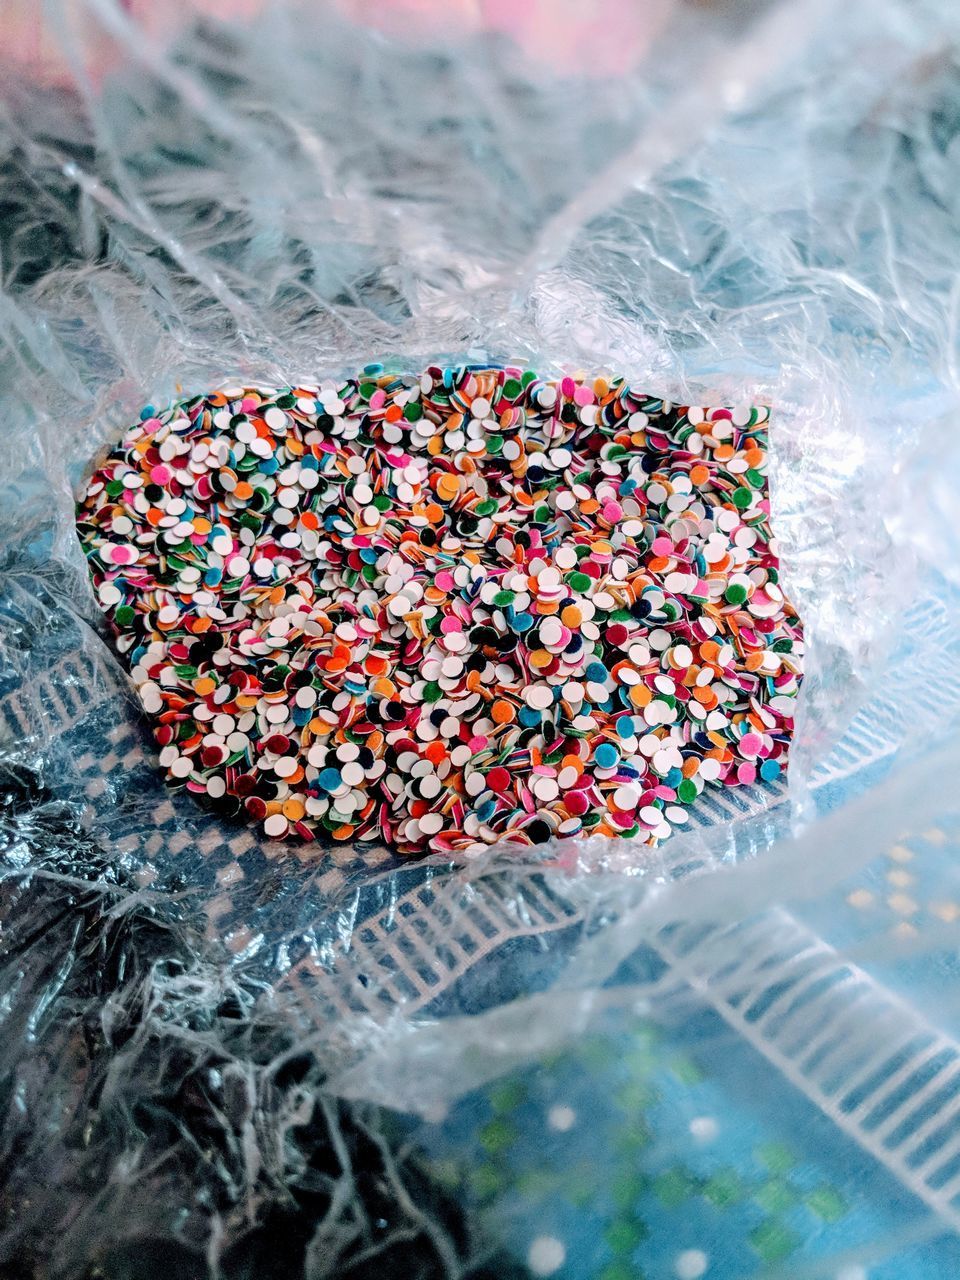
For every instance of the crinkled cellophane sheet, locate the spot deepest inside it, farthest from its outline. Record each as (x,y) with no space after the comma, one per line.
(222,1057)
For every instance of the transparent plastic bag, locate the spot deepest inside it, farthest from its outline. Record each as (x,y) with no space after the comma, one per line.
(761,209)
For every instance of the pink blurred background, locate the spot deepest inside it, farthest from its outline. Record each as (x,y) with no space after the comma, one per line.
(592,36)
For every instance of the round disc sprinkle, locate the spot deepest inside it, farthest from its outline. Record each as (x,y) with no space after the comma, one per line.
(450,609)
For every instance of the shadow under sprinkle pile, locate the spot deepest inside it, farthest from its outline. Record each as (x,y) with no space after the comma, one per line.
(449,609)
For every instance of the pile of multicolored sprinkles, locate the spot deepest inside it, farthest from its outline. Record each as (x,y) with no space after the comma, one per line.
(451,609)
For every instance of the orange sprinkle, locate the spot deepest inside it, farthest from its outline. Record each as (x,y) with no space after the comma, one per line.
(502,712)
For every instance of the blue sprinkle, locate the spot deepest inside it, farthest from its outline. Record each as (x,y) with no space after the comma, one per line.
(368,555)
(596,671)
(625,726)
(673,778)
(770,770)
(486,809)
(309,463)
(606,755)
(373,368)
(147,412)
(329,779)
(269,465)
(522,621)
(302,715)
(627,486)
(529,716)
(213,577)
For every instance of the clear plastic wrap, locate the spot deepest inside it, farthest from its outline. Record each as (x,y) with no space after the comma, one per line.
(762,207)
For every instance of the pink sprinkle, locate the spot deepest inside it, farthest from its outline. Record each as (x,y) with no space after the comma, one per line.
(662,546)
(378,399)
(567,387)
(746,774)
(620,819)
(612,511)
(577,803)
(444,580)
(750,744)
(450,624)
(583,395)
(477,742)
(150,425)
(160,474)
(249,403)
(717,414)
